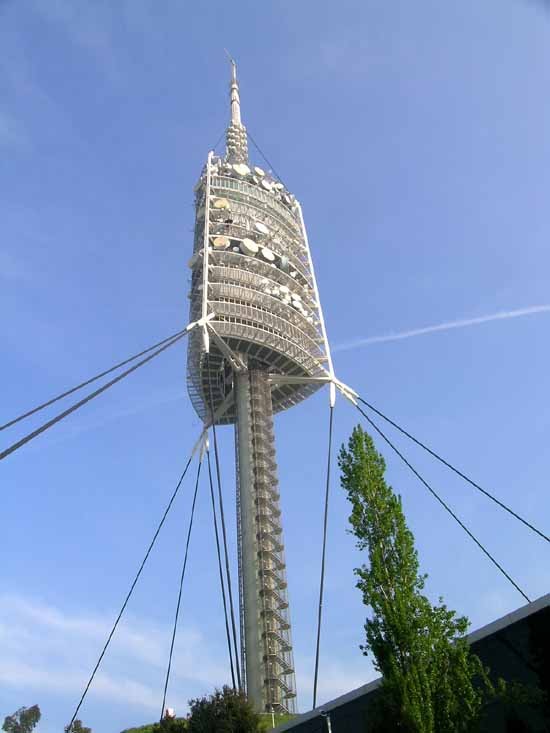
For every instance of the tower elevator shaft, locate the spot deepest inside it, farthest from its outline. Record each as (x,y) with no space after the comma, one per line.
(265,626)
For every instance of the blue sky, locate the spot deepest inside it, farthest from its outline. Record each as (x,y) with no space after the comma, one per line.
(416,138)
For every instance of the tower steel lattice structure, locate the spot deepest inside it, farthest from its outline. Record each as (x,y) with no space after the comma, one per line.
(263,349)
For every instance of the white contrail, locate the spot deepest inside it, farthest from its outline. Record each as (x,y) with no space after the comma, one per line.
(462,323)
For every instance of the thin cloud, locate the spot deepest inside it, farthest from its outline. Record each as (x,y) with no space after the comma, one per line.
(21,675)
(49,650)
(337,678)
(447,326)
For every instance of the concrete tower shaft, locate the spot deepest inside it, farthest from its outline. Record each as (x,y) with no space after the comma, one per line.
(265,625)
(264,350)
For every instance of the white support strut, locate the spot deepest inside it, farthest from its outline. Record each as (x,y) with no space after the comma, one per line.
(233,358)
(205,335)
(320,309)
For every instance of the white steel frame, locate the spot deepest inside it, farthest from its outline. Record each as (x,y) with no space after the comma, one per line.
(205,250)
(332,396)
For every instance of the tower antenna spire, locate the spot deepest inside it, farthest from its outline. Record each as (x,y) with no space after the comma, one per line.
(237,148)
(234,92)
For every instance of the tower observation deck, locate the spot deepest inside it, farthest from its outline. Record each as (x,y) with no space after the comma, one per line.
(264,350)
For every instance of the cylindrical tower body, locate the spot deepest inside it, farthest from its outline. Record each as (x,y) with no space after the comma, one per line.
(251,268)
(263,349)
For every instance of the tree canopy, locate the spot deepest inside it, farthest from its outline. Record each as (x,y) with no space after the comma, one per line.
(431,682)
(23,720)
(226,711)
(77,727)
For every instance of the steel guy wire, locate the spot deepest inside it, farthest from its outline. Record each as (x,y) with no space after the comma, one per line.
(443,504)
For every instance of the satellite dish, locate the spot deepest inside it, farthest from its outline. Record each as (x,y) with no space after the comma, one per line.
(266,184)
(287,199)
(241,169)
(278,186)
(259,171)
(268,255)
(293,273)
(284,289)
(235,249)
(221,204)
(261,227)
(297,297)
(249,247)
(221,242)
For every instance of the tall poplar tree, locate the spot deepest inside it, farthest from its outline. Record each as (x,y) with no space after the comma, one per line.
(420,649)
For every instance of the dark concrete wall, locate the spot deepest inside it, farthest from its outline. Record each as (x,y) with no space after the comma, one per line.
(517,652)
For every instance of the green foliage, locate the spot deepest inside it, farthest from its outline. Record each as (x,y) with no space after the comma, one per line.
(23,720)
(171,725)
(77,727)
(428,671)
(225,711)
(168,725)
(266,721)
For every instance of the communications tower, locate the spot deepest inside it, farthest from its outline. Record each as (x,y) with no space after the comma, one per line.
(262,348)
